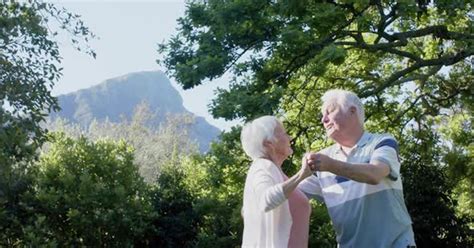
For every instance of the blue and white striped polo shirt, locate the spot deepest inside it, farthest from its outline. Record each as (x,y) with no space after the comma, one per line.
(365,215)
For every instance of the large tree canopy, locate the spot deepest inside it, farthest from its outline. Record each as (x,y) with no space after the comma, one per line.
(29,67)
(410,61)
(275,41)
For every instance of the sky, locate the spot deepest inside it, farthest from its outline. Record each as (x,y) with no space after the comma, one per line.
(128,33)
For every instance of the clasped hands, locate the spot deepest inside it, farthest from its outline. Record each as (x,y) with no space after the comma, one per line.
(314,161)
(317,161)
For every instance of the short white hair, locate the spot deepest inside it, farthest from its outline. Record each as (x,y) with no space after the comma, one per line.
(345,99)
(255,132)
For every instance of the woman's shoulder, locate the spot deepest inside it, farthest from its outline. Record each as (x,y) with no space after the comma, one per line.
(263,164)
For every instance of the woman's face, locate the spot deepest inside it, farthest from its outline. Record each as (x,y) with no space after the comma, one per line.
(282,146)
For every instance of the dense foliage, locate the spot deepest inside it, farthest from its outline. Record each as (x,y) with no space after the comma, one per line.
(410,61)
(29,66)
(88,194)
(154,146)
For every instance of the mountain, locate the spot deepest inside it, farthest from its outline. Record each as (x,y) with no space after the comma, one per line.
(119,96)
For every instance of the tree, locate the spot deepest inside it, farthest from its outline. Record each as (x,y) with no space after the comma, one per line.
(275,40)
(286,54)
(89,194)
(155,145)
(173,202)
(458,155)
(215,182)
(29,67)
(429,196)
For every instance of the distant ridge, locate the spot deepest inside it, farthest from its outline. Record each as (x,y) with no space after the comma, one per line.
(119,96)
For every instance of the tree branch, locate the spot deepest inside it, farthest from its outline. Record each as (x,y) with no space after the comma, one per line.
(292,66)
(388,47)
(440,31)
(385,21)
(394,79)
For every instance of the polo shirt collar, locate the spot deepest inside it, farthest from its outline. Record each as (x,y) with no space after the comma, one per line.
(364,139)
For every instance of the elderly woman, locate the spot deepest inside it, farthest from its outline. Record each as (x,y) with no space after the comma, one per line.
(269,219)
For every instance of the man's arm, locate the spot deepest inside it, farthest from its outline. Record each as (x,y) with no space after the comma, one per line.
(312,188)
(371,173)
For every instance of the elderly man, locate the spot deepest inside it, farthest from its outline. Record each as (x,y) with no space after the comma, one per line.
(269,219)
(358,178)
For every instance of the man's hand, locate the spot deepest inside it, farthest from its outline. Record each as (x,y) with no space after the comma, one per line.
(319,161)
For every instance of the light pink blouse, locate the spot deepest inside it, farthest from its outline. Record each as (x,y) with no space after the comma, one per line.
(300,210)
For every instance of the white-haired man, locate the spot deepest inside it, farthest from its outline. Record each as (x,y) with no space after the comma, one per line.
(275,213)
(358,178)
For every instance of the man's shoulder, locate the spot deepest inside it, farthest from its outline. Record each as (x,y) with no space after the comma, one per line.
(383,139)
(379,137)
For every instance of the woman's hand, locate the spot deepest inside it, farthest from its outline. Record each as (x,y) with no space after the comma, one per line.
(307,168)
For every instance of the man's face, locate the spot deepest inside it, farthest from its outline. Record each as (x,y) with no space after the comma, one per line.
(335,120)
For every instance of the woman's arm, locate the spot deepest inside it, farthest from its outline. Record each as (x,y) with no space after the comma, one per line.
(271,195)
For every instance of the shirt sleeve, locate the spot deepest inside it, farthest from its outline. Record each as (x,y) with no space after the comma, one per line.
(386,151)
(311,188)
(269,193)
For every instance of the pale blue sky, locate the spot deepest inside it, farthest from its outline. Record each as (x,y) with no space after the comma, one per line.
(128,34)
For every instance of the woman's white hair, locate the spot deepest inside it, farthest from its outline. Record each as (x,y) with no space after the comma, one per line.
(255,132)
(345,99)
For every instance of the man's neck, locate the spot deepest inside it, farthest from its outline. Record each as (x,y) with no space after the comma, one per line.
(351,140)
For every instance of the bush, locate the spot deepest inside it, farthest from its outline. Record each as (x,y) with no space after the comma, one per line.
(89,194)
